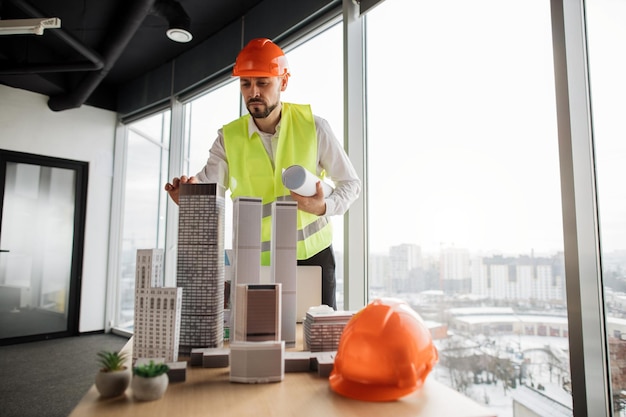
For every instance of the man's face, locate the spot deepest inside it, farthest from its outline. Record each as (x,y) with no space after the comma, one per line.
(262,94)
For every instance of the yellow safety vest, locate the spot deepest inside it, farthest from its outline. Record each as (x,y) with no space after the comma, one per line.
(251,174)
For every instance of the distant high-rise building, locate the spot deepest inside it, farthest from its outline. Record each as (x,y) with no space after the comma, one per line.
(527,278)
(157,310)
(454,270)
(379,273)
(200,268)
(405,262)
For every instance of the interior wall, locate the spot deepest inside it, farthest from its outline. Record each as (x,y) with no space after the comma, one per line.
(83,134)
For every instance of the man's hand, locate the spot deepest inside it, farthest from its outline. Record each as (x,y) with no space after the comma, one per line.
(173,188)
(314,204)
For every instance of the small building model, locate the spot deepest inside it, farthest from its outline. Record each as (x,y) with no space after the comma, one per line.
(157,309)
(258,312)
(257,362)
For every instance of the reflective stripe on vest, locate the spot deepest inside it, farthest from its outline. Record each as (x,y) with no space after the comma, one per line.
(251,173)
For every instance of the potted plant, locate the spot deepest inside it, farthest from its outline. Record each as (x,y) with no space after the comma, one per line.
(150,381)
(114,376)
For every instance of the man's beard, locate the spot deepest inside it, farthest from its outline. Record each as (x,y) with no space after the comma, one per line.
(259,110)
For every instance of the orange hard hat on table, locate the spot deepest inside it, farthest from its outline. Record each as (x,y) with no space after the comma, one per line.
(385,352)
(261,58)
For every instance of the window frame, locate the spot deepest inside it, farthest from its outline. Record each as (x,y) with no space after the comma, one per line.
(585,298)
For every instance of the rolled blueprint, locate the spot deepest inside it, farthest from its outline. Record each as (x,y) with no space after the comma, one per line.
(300,180)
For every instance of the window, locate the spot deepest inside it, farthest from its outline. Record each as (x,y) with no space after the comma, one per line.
(464,194)
(607,66)
(204,116)
(463,181)
(316,68)
(144,202)
(312,83)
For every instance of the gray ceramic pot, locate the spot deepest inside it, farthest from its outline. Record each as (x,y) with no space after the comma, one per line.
(113,383)
(148,389)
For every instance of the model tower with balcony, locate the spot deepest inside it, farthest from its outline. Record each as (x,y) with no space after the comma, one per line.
(157,310)
(200,268)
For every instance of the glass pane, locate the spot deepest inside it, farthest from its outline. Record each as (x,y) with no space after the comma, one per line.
(144,201)
(464,193)
(607,66)
(316,69)
(204,116)
(37,239)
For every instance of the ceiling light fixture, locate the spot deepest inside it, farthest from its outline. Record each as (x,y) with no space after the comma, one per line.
(179,35)
(28,26)
(177,17)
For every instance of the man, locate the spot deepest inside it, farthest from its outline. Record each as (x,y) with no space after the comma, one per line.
(250,153)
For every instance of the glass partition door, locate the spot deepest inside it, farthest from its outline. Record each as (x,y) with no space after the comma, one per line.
(43,202)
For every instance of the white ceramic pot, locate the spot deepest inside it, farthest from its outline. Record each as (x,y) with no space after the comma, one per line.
(148,389)
(113,383)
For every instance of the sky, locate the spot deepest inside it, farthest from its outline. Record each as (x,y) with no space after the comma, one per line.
(462,125)
(462,138)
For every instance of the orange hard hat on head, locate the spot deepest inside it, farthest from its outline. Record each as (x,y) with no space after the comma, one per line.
(261,58)
(385,352)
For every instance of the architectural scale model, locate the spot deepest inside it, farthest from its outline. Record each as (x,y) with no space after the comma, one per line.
(323,327)
(247,218)
(246,262)
(257,362)
(284,263)
(157,310)
(200,268)
(247,215)
(259,310)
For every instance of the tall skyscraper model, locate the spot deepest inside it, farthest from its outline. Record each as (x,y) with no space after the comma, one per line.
(284,263)
(200,269)
(246,266)
(247,214)
(157,310)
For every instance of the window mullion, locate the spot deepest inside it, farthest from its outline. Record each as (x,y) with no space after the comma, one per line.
(587,338)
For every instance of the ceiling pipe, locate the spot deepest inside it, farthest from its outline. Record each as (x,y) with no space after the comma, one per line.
(42,68)
(95,60)
(130,21)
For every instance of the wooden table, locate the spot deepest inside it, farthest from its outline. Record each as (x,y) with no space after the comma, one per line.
(208,392)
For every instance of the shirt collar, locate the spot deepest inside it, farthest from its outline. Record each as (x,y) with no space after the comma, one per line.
(252,127)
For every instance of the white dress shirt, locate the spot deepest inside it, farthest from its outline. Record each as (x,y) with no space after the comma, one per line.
(331,157)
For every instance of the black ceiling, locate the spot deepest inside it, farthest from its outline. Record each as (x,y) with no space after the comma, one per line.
(101,45)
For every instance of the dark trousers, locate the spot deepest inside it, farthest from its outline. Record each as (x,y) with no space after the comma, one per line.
(325,259)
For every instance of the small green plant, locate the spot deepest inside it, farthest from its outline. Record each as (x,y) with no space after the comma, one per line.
(151,369)
(111,361)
